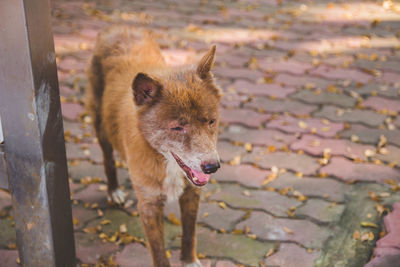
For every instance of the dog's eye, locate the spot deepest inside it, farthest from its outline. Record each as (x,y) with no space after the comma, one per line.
(211,122)
(177,128)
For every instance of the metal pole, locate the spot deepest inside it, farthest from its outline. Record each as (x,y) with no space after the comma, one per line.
(33,135)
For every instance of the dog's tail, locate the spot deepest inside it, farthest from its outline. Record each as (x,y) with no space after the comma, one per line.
(94,89)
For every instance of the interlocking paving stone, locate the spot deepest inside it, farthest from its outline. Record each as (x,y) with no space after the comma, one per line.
(392,226)
(347,170)
(272,202)
(225,264)
(292,255)
(92,193)
(8,258)
(84,151)
(255,89)
(66,91)
(175,260)
(5,199)
(321,210)
(380,103)
(81,215)
(210,214)
(230,246)
(71,111)
(367,117)
(233,100)
(236,61)
(269,105)
(397,121)
(90,248)
(391,77)
(267,227)
(302,80)
(393,154)
(251,75)
(228,151)
(7,232)
(339,73)
(295,125)
(76,129)
(244,174)
(380,89)
(371,136)
(86,169)
(243,116)
(71,63)
(287,160)
(326,98)
(326,188)
(385,261)
(134,253)
(316,146)
(257,137)
(290,66)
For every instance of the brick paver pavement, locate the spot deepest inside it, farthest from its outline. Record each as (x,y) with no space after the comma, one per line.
(310,134)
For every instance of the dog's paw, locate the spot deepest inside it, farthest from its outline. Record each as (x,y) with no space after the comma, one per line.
(197,263)
(117,197)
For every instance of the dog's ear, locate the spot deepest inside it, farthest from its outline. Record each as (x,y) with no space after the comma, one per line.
(204,67)
(146,90)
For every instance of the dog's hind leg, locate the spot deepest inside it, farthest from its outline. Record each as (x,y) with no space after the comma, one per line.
(189,205)
(115,194)
(94,103)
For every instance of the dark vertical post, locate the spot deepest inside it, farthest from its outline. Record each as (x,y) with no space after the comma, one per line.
(33,135)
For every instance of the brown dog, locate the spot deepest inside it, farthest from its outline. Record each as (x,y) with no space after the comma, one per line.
(163,121)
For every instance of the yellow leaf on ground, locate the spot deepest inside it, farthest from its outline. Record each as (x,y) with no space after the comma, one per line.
(248,147)
(123,228)
(356,235)
(222,205)
(237,232)
(302,125)
(369,224)
(104,222)
(168,254)
(270,252)
(287,230)
(173,219)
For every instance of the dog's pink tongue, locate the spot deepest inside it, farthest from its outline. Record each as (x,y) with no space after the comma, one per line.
(203,178)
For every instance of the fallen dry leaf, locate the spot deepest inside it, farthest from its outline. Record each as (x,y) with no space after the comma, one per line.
(173,219)
(270,252)
(123,228)
(222,205)
(248,147)
(287,230)
(369,224)
(356,235)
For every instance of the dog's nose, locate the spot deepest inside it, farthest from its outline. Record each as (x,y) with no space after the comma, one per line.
(209,167)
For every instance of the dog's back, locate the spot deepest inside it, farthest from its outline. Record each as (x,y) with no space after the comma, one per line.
(115,47)
(117,50)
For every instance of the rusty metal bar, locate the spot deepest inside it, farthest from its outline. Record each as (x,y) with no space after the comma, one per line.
(33,135)
(3,169)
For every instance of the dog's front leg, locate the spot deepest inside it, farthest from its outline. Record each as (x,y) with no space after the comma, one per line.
(189,205)
(151,215)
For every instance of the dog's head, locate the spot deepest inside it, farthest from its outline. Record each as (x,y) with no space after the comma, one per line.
(178,116)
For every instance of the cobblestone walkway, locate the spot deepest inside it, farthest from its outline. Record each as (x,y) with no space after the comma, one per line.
(310,135)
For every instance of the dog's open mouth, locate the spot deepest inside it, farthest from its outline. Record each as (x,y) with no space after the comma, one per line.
(197,178)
